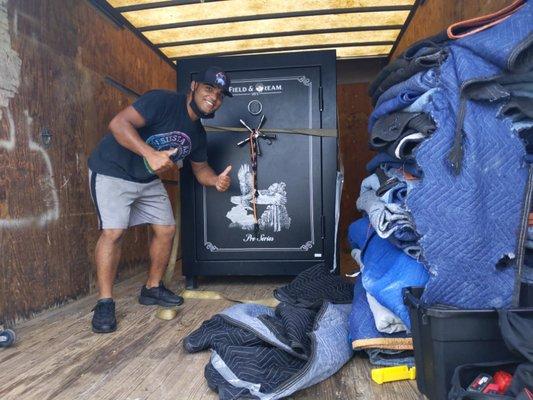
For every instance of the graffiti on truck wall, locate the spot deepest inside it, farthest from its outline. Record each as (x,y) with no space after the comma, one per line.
(9,83)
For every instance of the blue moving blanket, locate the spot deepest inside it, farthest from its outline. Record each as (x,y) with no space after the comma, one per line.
(387,269)
(363,332)
(468,222)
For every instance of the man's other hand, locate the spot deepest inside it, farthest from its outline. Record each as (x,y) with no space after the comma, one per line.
(159,161)
(223,180)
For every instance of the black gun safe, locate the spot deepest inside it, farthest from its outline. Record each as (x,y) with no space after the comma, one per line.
(296,173)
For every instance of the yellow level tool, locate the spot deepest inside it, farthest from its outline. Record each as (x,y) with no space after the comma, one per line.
(391,374)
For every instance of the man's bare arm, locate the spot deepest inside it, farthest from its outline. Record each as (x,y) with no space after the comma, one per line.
(124,128)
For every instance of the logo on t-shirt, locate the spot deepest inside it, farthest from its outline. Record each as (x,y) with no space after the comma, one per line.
(172,140)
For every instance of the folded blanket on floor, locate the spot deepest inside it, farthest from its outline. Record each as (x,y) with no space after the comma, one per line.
(314,286)
(291,324)
(245,352)
(386,268)
(261,353)
(469,222)
(363,332)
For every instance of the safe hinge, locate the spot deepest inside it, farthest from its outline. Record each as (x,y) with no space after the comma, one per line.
(321,98)
(323,227)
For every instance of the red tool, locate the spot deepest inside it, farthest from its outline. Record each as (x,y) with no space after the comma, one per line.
(503,380)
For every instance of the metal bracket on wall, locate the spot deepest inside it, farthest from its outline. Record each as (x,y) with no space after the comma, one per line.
(46,137)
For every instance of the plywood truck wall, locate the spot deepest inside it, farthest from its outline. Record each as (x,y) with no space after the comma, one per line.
(54,58)
(434,16)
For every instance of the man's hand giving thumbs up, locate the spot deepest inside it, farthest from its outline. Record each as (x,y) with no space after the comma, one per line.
(223,180)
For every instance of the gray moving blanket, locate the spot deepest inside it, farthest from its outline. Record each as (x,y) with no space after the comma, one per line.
(262,353)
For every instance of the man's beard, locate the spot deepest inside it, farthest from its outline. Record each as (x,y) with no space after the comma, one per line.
(197,110)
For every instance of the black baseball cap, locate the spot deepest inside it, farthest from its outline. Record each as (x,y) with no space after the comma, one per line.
(215,76)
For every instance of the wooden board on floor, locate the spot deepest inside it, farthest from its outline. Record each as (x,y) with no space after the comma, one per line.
(58,357)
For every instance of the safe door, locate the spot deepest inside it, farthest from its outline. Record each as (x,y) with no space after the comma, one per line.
(285,231)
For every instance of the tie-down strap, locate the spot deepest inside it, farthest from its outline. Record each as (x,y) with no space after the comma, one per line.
(305,131)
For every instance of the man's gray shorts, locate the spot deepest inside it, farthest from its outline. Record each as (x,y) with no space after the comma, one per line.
(121,204)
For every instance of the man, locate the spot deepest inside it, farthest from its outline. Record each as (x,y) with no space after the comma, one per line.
(147,138)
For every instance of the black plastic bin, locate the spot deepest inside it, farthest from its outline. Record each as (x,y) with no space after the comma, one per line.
(444,338)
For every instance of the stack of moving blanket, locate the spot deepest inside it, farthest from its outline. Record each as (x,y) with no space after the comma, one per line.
(379,321)
(453,124)
(262,353)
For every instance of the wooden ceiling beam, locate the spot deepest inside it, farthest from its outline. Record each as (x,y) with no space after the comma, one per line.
(347,52)
(283,43)
(128,3)
(344,52)
(276,27)
(276,35)
(135,5)
(233,10)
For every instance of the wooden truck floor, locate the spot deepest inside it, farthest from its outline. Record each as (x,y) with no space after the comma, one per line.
(58,357)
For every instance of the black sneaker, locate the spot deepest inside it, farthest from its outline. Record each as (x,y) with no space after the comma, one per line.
(159,295)
(104,320)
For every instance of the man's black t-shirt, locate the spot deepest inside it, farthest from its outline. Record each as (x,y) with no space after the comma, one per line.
(168,126)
